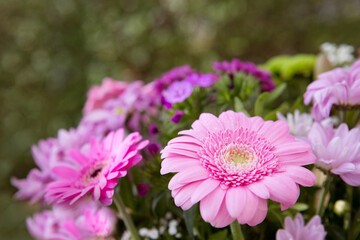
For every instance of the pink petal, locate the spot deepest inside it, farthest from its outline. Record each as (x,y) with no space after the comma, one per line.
(185,177)
(167,167)
(291,148)
(259,189)
(301,175)
(260,214)
(185,139)
(210,205)
(250,208)
(184,193)
(236,200)
(282,189)
(211,122)
(65,173)
(223,218)
(204,189)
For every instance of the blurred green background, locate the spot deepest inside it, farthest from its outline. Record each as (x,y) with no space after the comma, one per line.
(52,51)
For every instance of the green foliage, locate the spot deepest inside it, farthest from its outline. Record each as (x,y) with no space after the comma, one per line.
(288,67)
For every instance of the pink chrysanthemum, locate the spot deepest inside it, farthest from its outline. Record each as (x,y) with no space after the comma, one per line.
(297,230)
(337,150)
(232,164)
(98,170)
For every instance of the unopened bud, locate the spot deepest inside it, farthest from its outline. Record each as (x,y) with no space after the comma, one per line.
(341,207)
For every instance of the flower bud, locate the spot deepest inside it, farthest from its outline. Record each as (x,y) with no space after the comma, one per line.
(341,207)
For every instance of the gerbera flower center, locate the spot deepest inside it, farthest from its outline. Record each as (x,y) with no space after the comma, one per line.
(237,157)
(94,172)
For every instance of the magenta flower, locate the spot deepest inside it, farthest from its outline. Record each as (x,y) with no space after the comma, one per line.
(177,116)
(98,95)
(232,164)
(177,92)
(297,230)
(96,171)
(337,87)
(175,74)
(236,66)
(337,150)
(202,80)
(143,189)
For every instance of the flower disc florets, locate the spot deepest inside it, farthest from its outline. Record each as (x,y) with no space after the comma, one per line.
(242,157)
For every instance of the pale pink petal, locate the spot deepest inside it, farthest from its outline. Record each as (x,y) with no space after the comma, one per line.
(236,200)
(204,189)
(210,205)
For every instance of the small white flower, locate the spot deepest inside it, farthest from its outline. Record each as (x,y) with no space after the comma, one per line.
(172,230)
(143,232)
(299,123)
(178,235)
(338,55)
(153,233)
(126,235)
(173,223)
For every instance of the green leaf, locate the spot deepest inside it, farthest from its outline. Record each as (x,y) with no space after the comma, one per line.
(273,95)
(189,220)
(219,235)
(300,207)
(260,104)
(239,106)
(266,98)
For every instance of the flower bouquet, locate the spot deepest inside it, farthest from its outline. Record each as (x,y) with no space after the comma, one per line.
(230,154)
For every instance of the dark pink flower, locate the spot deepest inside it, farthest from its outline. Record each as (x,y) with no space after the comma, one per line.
(48,154)
(96,171)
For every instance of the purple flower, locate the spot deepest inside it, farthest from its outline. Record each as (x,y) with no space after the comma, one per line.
(175,74)
(297,230)
(177,116)
(336,87)
(143,189)
(202,80)
(177,92)
(236,66)
(337,150)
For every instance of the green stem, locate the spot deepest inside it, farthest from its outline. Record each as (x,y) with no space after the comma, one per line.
(324,190)
(236,231)
(349,193)
(126,217)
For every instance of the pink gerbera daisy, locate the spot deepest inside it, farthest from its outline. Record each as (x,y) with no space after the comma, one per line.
(232,164)
(96,171)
